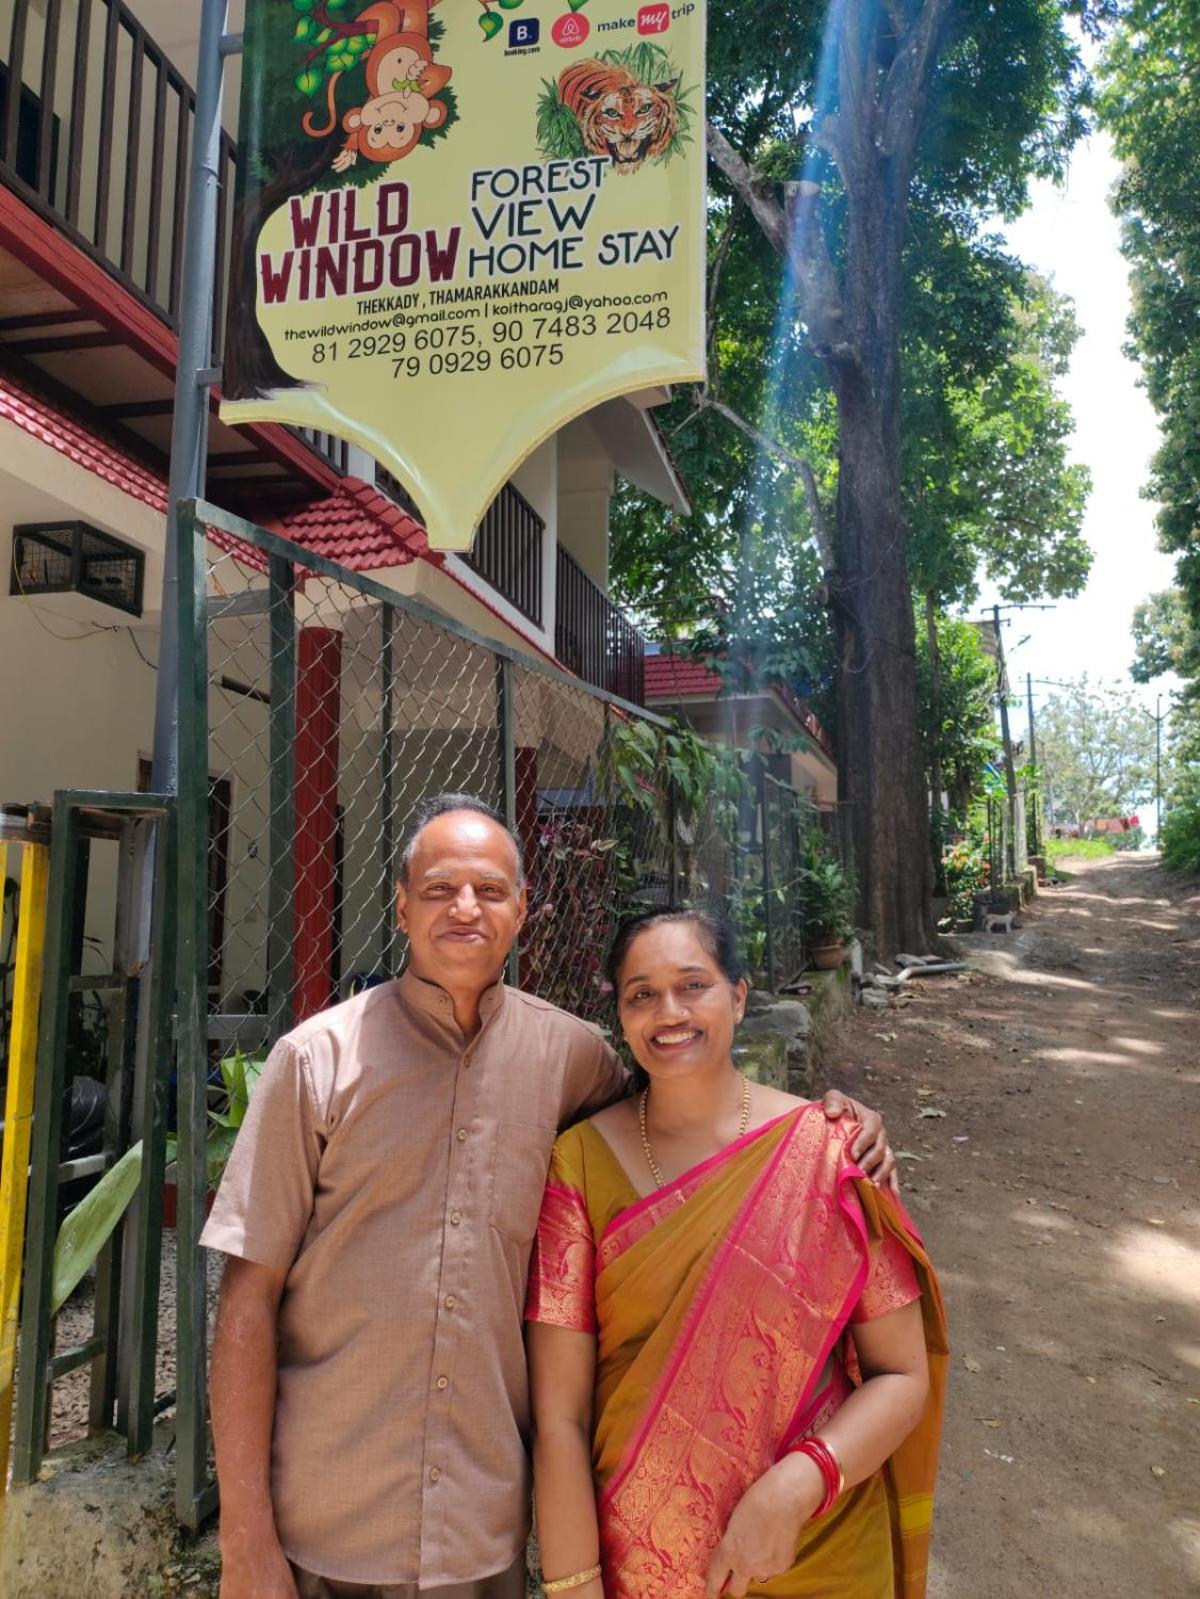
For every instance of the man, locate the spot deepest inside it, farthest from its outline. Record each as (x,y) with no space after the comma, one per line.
(369,1398)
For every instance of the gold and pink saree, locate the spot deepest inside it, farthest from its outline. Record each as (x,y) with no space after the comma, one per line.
(721,1306)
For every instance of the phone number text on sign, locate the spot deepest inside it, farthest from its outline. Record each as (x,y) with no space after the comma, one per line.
(518,343)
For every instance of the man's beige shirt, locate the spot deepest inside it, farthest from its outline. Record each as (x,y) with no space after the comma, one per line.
(396,1169)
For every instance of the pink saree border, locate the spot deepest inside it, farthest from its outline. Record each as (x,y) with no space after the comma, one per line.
(559,1293)
(709,1288)
(632,1223)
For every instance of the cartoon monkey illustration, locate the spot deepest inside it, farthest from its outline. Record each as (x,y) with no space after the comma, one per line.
(403,81)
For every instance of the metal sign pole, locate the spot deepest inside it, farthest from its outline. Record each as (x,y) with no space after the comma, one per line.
(194,376)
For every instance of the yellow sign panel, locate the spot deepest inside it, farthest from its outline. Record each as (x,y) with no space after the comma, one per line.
(461,223)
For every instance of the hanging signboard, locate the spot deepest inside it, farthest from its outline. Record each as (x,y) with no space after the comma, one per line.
(461,223)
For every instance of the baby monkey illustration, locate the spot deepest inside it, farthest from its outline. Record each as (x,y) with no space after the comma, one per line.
(404,83)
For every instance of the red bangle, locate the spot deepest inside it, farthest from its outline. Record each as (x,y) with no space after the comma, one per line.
(826,1462)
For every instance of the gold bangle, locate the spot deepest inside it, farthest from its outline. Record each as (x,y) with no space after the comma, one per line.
(561,1584)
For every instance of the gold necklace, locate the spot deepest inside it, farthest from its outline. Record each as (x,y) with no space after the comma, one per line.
(655,1169)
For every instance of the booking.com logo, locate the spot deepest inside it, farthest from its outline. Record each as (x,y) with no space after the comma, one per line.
(654,19)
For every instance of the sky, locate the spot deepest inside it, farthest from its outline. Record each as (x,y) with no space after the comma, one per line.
(1070,236)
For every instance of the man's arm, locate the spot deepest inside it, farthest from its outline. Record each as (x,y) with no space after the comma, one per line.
(244,1371)
(871,1148)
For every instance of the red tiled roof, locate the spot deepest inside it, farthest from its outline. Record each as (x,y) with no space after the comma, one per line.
(45,421)
(670,677)
(359,528)
(674,677)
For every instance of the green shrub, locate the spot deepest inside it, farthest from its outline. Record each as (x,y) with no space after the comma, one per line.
(1180,840)
(1088,849)
(967,874)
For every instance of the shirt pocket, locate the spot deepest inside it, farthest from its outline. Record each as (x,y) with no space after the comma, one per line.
(520,1161)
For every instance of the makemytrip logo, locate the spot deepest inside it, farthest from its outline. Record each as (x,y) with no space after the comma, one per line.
(654,19)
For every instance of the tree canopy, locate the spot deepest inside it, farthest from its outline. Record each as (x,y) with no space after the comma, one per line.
(881,381)
(1150,103)
(1096,749)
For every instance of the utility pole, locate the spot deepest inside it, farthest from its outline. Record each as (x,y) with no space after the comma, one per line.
(1010,771)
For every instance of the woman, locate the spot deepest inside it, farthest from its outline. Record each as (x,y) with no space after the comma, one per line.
(736,1342)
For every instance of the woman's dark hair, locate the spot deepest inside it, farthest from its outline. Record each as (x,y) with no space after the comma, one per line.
(714,932)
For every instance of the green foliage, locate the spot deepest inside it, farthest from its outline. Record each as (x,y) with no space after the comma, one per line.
(1166,638)
(1180,840)
(827,893)
(960,739)
(1150,104)
(1096,744)
(967,872)
(88,1227)
(1084,849)
(988,487)
(985,474)
(229,1101)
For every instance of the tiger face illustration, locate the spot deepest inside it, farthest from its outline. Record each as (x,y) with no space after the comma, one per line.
(620,117)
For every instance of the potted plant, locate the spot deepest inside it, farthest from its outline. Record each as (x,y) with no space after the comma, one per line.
(228,1102)
(828,909)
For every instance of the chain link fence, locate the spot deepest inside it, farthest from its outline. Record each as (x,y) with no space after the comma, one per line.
(334,709)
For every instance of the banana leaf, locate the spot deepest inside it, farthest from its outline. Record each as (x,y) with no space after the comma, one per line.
(87,1228)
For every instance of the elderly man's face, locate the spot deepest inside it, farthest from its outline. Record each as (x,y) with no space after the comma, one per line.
(461,907)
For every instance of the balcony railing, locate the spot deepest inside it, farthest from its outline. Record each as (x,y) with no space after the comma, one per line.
(96,128)
(507,552)
(596,640)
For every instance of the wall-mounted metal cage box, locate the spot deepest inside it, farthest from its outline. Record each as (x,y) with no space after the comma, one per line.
(76,558)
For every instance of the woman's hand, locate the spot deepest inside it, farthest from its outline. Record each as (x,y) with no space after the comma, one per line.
(763,1532)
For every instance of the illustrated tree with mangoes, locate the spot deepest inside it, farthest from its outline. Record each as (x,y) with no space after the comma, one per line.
(321,30)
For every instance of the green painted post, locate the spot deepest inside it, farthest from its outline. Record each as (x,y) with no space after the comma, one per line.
(46,1151)
(191,870)
(122,1030)
(506,719)
(150,1118)
(281,735)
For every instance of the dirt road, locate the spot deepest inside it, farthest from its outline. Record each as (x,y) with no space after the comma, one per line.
(1053,1110)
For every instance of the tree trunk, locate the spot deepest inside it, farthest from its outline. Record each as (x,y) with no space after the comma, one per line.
(878,723)
(882,770)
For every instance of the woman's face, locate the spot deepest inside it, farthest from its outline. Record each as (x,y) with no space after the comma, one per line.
(678,1010)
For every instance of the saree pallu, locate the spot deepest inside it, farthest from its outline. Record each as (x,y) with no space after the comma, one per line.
(721,1305)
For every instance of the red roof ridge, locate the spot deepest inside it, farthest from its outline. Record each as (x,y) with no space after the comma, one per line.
(38,416)
(670,674)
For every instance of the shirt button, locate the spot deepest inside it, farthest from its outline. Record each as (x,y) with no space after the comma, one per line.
(461,1135)
(435,1473)
(455,1218)
(443,1382)
(450,1301)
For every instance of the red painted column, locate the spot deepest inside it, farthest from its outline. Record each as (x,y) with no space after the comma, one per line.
(318,730)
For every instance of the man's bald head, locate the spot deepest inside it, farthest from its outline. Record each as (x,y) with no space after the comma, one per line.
(444,805)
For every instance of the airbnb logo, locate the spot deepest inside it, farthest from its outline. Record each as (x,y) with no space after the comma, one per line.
(654,19)
(570,31)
